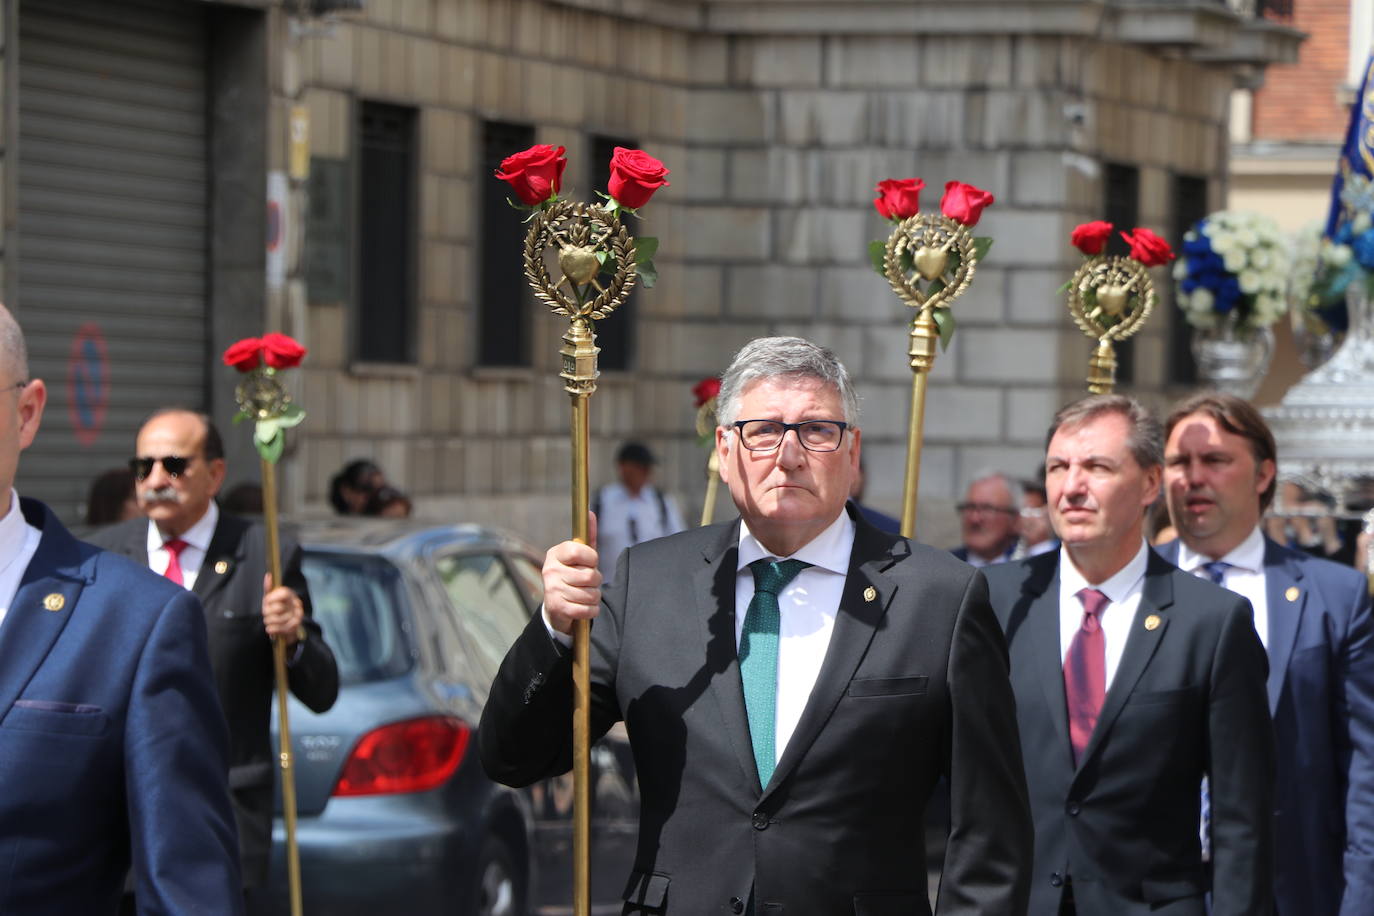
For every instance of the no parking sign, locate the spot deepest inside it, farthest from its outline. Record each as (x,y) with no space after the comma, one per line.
(88,383)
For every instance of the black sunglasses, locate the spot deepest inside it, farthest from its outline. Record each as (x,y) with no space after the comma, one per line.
(174,465)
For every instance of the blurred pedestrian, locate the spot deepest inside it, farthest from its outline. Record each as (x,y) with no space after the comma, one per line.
(989,520)
(112,745)
(111,498)
(632,509)
(1036,532)
(388,502)
(352,487)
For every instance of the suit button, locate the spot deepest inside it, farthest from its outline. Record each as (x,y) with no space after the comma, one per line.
(736,905)
(1074,809)
(1056,880)
(760,821)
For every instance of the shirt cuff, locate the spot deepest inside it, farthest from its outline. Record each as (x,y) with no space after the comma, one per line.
(563,639)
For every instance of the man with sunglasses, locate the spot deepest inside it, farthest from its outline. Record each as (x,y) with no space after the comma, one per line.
(793,683)
(178,469)
(113,751)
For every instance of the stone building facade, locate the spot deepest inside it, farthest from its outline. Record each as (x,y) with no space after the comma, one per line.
(777,119)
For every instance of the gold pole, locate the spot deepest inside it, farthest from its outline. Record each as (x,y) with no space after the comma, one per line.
(708,505)
(288,776)
(922,352)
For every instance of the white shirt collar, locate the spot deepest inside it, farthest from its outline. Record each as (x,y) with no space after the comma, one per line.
(197,536)
(828,550)
(14,529)
(1118,585)
(1247,555)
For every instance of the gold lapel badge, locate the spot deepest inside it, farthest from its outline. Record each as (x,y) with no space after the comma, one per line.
(54,602)
(1152,622)
(870,593)
(222,567)
(1292,593)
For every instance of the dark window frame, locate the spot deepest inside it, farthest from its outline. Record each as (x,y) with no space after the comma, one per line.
(505,331)
(1121,208)
(1190,195)
(364,323)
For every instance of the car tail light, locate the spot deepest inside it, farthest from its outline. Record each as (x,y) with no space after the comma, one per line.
(411,756)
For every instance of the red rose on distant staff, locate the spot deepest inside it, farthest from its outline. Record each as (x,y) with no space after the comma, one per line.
(899,198)
(1091,238)
(635,176)
(245,356)
(535,174)
(1148,248)
(964,203)
(281,351)
(705,389)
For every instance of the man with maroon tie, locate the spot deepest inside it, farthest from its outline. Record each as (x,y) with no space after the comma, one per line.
(1133,681)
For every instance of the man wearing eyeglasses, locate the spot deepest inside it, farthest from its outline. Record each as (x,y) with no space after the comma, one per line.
(178,469)
(989,518)
(793,683)
(113,751)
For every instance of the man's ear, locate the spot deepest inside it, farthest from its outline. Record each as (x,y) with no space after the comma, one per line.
(31,402)
(1264,475)
(723,434)
(217,472)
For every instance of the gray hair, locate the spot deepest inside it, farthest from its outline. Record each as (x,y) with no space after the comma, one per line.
(1013,487)
(782,357)
(13,352)
(1146,439)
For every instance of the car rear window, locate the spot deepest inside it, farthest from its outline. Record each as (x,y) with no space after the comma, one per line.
(357,601)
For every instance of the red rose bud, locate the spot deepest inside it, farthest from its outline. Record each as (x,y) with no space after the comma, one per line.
(635,176)
(899,198)
(1091,238)
(1148,248)
(245,356)
(281,351)
(705,389)
(964,203)
(535,174)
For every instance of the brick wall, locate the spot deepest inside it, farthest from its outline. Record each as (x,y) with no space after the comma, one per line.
(1305,101)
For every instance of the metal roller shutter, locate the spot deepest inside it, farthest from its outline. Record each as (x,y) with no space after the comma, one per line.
(113,219)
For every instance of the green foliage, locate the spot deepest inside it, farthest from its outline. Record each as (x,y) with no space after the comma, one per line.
(944,321)
(981,244)
(876,251)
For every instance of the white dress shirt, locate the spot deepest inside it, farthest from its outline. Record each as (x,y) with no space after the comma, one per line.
(18,543)
(1123,598)
(1245,577)
(624,519)
(809,605)
(197,539)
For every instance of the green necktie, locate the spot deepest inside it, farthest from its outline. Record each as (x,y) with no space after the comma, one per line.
(758,657)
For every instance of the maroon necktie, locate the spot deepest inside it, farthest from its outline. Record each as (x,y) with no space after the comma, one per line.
(174,549)
(1085,672)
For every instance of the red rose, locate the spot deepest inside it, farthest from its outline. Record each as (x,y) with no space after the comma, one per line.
(635,176)
(898,198)
(535,174)
(1148,248)
(964,203)
(281,351)
(706,389)
(1091,238)
(245,356)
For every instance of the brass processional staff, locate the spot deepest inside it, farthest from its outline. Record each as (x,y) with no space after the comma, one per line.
(263,399)
(929,259)
(598,262)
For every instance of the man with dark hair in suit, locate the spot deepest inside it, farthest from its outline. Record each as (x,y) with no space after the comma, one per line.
(179,468)
(113,751)
(1314,619)
(1133,681)
(793,683)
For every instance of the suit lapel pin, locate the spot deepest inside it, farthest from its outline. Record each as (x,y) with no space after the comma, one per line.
(1292,593)
(870,593)
(1152,622)
(54,602)
(222,567)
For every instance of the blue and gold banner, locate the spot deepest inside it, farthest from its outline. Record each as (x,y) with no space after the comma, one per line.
(1352,190)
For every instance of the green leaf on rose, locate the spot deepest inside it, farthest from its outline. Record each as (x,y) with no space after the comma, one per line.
(944,322)
(1068,284)
(645,248)
(936,285)
(291,415)
(877,250)
(266,430)
(981,244)
(907,260)
(271,450)
(648,274)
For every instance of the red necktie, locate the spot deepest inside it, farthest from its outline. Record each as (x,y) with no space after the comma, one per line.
(1085,673)
(174,549)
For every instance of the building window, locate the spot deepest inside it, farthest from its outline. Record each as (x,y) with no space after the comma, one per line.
(1190,205)
(615,335)
(502,310)
(385,328)
(1121,190)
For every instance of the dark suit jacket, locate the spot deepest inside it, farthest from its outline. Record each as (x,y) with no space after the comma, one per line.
(112,746)
(1187,699)
(914,684)
(241,657)
(1321,696)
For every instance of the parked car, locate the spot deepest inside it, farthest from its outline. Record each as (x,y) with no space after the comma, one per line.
(395,814)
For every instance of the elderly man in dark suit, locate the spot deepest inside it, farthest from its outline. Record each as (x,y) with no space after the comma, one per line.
(793,683)
(1133,681)
(179,467)
(1314,618)
(112,748)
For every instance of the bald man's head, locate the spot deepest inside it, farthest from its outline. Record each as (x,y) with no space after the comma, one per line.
(14,355)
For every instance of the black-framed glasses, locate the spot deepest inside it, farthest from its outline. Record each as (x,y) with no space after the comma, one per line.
(174,465)
(814,435)
(986,508)
(17,386)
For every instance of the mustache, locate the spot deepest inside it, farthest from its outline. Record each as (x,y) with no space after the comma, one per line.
(159,495)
